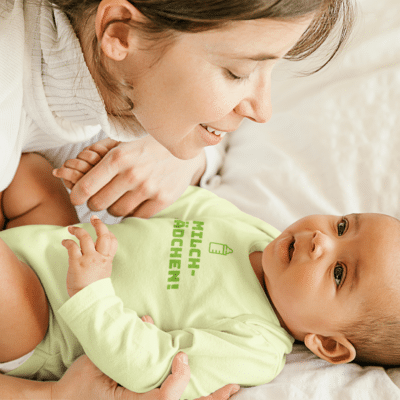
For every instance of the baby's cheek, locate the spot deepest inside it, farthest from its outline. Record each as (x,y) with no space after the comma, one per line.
(296,291)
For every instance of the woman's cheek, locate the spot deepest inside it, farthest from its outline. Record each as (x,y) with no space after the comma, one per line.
(216,96)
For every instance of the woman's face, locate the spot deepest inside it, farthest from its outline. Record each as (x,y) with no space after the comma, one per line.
(214,79)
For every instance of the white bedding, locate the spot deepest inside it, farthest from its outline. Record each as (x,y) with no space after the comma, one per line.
(332,146)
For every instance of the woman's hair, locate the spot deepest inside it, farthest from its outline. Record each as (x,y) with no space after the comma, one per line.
(164,18)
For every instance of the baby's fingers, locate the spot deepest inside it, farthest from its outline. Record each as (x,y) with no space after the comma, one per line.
(73,249)
(106,242)
(85,241)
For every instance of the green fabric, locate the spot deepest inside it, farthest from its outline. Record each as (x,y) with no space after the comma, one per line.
(188,268)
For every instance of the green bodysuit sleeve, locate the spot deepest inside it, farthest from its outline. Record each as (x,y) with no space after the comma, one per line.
(139,356)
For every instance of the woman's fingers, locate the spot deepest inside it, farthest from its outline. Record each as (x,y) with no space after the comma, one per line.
(106,167)
(222,394)
(148,208)
(95,152)
(175,384)
(122,195)
(148,319)
(70,176)
(89,156)
(79,165)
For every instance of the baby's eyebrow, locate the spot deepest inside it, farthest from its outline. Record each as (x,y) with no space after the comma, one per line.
(356,222)
(355,276)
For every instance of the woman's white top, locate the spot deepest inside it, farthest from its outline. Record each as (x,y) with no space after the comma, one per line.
(48,97)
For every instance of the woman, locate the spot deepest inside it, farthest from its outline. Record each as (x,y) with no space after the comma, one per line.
(181,72)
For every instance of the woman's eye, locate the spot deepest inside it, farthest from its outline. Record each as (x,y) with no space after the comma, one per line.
(338,274)
(341,227)
(234,77)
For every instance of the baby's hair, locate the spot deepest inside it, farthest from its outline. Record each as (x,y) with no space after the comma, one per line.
(165,18)
(376,339)
(375,335)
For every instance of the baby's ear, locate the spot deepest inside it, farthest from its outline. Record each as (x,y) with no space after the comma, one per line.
(336,350)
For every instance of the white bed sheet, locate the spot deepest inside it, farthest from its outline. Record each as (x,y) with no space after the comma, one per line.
(332,146)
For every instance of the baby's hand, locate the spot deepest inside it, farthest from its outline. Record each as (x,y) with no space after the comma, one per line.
(91,261)
(75,168)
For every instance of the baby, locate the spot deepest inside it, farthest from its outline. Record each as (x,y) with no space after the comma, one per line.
(222,286)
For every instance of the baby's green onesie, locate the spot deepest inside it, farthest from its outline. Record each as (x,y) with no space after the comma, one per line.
(188,268)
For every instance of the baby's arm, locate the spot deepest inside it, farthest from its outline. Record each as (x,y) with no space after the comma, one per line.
(35,196)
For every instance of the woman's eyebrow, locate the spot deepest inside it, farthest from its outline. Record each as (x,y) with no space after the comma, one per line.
(255,57)
(260,57)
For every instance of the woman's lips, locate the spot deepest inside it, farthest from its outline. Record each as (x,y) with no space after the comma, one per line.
(210,138)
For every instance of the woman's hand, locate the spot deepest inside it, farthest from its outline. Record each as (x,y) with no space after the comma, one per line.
(84,381)
(138,178)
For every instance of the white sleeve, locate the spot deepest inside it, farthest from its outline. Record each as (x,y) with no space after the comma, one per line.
(11,72)
(215,156)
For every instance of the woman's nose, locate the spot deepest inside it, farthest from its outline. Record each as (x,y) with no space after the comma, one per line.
(320,243)
(257,107)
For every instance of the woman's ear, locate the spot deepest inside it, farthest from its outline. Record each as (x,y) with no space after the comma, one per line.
(115,38)
(336,350)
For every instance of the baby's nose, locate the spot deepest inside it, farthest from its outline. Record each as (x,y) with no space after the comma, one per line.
(319,244)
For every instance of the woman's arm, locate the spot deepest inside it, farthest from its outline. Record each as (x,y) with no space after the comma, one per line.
(16,388)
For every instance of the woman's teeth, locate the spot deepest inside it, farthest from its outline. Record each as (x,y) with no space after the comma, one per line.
(214,131)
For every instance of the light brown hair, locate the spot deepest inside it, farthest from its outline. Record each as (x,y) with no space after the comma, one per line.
(164,18)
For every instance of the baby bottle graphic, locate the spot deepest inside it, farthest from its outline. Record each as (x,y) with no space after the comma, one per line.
(219,248)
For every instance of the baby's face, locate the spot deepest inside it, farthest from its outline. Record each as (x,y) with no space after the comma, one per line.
(319,271)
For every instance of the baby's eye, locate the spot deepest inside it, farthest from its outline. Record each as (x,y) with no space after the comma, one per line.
(341,227)
(338,274)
